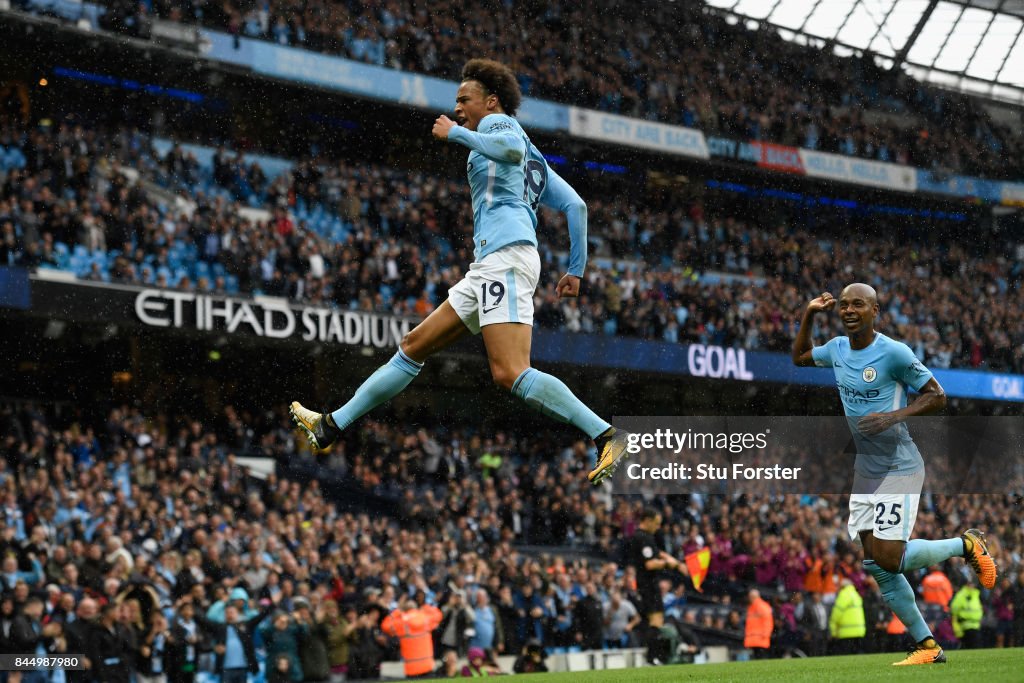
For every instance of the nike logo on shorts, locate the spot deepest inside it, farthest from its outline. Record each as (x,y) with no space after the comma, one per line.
(488,310)
(886,528)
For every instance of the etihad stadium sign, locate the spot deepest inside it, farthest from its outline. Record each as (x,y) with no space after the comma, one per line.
(58,298)
(268,317)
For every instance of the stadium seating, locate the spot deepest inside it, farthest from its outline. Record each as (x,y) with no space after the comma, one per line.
(144,503)
(415,527)
(665,271)
(707,73)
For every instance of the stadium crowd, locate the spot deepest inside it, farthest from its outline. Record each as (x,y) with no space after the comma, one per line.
(138,538)
(359,235)
(706,73)
(147,533)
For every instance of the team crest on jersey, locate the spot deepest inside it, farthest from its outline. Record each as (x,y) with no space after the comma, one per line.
(869,374)
(647,552)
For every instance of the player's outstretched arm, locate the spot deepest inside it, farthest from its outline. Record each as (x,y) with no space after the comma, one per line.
(559,195)
(497,141)
(802,345)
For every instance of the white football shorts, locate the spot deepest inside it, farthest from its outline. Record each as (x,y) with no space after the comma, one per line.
(498,289)
(886,507)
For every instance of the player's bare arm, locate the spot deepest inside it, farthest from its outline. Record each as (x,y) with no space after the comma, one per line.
(931,399)
(568,286)
(802,345)
(442,126)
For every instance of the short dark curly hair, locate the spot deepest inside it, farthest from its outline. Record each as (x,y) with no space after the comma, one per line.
(496,79)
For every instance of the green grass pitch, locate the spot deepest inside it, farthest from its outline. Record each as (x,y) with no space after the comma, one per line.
(975,665)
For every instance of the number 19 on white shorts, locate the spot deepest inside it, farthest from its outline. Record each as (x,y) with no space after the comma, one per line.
(498,289)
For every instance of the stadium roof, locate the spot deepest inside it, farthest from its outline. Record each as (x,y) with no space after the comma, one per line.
(976,46)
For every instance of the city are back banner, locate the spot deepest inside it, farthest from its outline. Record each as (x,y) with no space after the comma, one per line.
(765,154)
(786,159)
(278,319)
(630,132)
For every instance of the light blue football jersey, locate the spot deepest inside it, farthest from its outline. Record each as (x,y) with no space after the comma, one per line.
(509,179)
(875,380)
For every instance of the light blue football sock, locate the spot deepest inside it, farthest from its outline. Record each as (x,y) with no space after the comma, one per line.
(387,382)
(550,396)
(920,553)
(900,597)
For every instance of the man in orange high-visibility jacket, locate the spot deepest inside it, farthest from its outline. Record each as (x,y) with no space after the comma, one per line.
(937,589)
(413,626)
(757,634)
(895,633)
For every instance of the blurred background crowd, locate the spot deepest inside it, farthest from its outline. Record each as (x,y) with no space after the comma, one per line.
(368,237)
(153,515)
(705,73)
(140,535)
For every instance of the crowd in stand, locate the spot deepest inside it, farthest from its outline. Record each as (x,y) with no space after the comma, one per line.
(400,241)
(134,540)
(705,73)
